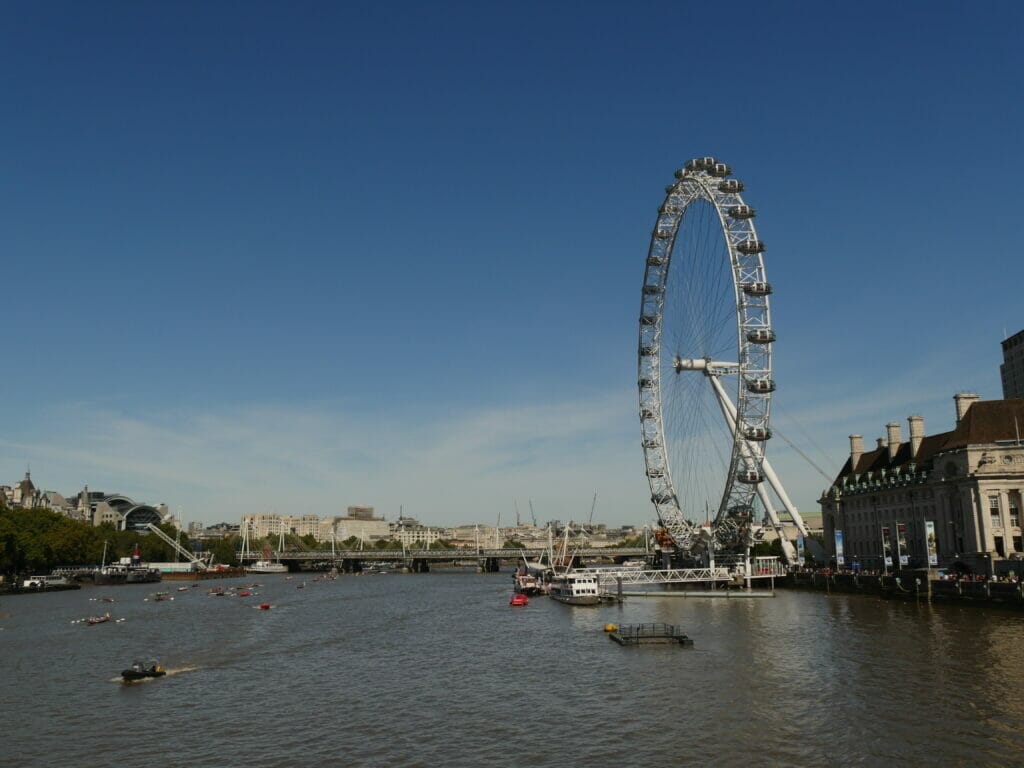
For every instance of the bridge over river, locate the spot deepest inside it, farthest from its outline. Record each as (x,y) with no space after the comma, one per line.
(419,560)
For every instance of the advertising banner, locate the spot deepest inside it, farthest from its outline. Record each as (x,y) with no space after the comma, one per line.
(901,544)
(929,541)
(886,546)
(839,547)
(800,549)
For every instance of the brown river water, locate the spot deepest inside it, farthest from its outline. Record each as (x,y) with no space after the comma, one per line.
(437,670)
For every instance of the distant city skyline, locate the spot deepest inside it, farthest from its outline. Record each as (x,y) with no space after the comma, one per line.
(296,260)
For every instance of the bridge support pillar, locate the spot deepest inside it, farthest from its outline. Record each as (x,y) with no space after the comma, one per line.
(348,565)
(488,565)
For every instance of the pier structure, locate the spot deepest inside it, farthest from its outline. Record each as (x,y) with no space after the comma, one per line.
(611,581)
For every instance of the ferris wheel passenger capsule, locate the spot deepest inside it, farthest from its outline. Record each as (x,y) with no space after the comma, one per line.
(757,434)
(749,476)
(742,212)
(656,261)
(751,246)
(731,185)
(760,386)
(707,162)
(757,289)
(761,336)
(719,170)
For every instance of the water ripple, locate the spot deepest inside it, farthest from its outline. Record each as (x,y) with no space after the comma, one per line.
(436,670)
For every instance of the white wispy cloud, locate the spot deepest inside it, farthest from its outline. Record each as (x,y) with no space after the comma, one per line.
(321,457)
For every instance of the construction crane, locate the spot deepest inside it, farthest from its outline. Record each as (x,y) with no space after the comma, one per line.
(593,504)
(533,516)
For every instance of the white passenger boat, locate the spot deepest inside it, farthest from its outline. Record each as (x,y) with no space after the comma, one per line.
(266,566)
(575,588)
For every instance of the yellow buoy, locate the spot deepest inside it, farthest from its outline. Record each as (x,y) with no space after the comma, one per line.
(610,627)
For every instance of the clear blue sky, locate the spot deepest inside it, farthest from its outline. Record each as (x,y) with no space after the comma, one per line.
(280,257)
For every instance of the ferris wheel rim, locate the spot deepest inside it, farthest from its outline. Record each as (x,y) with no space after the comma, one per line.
(708,180)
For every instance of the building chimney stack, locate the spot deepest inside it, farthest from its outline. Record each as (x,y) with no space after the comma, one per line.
(963,401)
(856,450)
(895,438)
(881,443)
(916,434)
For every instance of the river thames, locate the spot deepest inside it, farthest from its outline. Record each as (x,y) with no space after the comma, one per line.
(437,670)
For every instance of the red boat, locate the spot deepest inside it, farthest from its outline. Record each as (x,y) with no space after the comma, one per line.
(519,599)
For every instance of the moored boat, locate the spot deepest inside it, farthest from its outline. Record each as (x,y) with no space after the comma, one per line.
(575,588)
(112,574)
(519,599)
(143,574)
(525,583)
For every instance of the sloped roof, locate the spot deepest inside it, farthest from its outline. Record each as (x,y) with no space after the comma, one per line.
(986,421)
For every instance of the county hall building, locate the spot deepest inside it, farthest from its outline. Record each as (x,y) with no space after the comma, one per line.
(963,487)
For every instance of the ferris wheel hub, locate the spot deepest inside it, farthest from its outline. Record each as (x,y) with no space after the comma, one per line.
(709,367)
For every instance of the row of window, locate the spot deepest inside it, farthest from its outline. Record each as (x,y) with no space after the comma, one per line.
(884,499)
(1013,510)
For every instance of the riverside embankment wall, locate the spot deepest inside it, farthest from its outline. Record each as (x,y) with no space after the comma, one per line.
(912,585)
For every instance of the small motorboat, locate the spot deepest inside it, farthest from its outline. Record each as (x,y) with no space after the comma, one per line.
(98,619)
(139,670)
(519,599)
(264,606)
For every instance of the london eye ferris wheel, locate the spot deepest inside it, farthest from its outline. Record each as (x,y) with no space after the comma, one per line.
(705,363)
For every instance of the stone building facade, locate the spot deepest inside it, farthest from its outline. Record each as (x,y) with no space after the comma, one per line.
(363,526)
(968,483)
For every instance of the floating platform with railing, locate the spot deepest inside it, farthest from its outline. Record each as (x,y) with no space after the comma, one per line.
(649,634)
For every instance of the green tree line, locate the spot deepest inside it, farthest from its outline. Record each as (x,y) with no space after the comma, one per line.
(37,540)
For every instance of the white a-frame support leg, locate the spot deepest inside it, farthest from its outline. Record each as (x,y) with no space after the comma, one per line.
(729,412)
